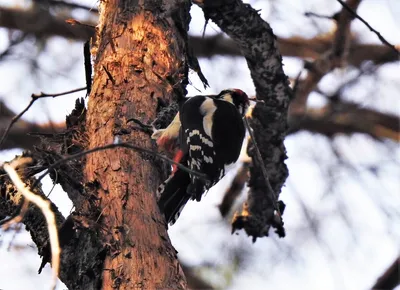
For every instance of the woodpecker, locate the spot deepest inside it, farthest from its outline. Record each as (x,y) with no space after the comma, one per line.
(210,132)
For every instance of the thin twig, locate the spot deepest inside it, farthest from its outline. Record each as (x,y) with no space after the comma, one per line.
(381,38)
(111,146)
(72,5)
(34,97)
(263,170)
(16,217)
(12,43)
(45,207)
(309,14)
(54,184)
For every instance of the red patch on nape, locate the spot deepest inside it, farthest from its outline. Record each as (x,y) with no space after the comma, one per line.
(178,157)
(239,91)
(242,94)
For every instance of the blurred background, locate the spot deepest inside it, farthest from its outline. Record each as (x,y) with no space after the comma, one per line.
(342,217)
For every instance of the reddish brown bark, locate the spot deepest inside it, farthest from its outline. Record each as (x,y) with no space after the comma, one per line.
(138,58)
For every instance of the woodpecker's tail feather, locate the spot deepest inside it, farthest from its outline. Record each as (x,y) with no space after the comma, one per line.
(172,196)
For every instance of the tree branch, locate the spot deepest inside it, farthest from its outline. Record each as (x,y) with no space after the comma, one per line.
(296,47)
(347,118)
(390,279)
(257,43)
(12,196)
(45,207)
(326,62)
(42,23)
(351,10)
(34,97)
(202,47)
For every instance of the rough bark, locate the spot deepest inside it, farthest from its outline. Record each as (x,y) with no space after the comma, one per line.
(140,56)
(117,237)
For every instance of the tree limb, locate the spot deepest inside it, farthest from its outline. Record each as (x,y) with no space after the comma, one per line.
(296,47)
(258,45)
(347,118)
(45,207)
(34,97)
(42,23)
(381,38)
(11,199)
(390,279)
(202,47)
(331,59)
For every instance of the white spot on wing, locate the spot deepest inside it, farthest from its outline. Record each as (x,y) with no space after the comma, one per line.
(194,147)
(207,109)
(208,159)
(203,139)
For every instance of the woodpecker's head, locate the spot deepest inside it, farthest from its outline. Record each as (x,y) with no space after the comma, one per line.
(236,97)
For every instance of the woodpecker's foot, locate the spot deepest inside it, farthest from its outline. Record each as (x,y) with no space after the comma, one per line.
(143,127)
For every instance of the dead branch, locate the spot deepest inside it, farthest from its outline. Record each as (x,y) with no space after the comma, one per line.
(13,192)
(235,189)
(331,59)
(257,43)
(42,23)
(390,278)
(352,11)
(305,48)
(347,118)
(202,47)
(45,207)
(19,135)
(34,97)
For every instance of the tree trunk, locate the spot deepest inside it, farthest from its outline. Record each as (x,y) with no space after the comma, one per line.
(139,56)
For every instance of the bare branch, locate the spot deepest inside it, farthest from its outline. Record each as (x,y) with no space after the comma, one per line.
(72,5)
(312,14)
(381,38)
(235,189)
(390,279)
(45,207)
(34,97)
(202,47)
(326,62)
(262,166)
(40,22)
(347,118)
(258,45)
(116,145)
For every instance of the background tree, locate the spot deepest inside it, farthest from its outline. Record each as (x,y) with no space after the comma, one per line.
(353,178)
